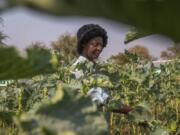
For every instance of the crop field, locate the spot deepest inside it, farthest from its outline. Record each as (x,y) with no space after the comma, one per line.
(39,95)
(57,104)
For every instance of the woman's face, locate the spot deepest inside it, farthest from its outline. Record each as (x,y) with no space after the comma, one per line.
(93,48)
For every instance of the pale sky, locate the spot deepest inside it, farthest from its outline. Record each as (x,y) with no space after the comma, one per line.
(24,27)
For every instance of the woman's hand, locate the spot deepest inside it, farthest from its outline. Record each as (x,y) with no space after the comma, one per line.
(123,109)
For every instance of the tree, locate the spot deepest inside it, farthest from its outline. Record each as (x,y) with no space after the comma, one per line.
(2,38)
(120,58)
(2,35)
(65,47)
(141,51)
(171,52)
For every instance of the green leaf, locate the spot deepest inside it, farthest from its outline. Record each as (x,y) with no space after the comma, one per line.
(160,131)
(154,16)
(72,114)
(173,126)
(135,33)
(14,66)
(141,113)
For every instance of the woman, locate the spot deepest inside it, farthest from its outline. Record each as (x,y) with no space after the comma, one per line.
(92,39)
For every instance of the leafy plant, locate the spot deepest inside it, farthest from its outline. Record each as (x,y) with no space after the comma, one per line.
(57,103)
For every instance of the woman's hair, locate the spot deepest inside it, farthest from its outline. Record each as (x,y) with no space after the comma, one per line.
(87,32)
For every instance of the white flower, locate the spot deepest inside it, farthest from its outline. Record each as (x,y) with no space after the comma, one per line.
(78,73)
(98,95)
(158,71)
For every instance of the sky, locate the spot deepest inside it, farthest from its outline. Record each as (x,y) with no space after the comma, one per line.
(24,27)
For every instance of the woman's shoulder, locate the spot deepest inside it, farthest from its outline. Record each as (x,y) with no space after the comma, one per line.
(81,59)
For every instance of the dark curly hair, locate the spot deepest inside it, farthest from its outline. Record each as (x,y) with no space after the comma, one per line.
(87,32)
